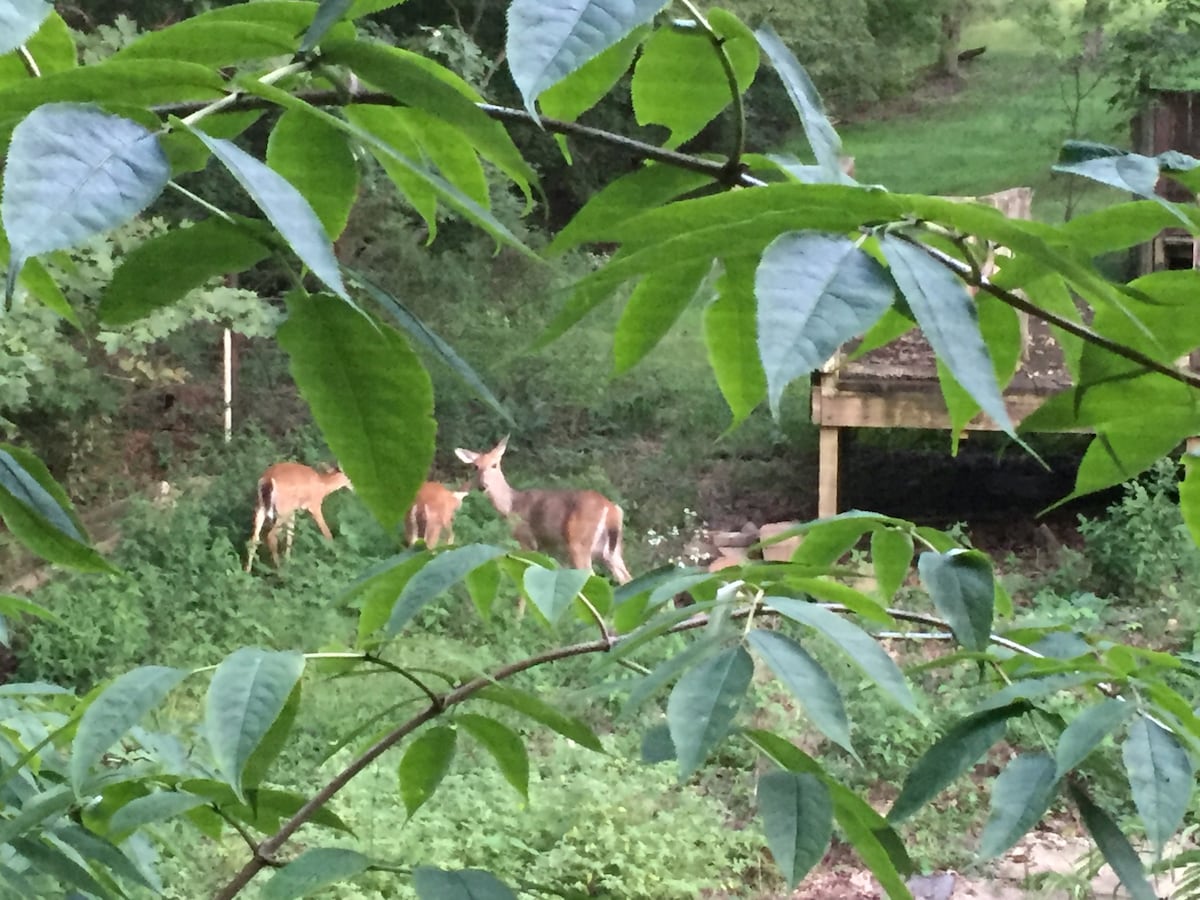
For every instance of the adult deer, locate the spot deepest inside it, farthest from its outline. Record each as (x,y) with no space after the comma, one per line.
(285,489)
(431,512)
(584,524)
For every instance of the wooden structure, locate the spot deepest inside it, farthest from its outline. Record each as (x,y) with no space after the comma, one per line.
(1170,121)
(896,386)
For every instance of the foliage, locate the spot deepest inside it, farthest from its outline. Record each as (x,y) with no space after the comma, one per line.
(747,232)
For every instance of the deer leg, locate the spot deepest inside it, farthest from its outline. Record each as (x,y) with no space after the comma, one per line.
(433,531)
(260,517)
(315,511)
(273,542)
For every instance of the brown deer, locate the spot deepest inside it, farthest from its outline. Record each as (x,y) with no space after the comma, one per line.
(584,524)
(432,511)
(285,489)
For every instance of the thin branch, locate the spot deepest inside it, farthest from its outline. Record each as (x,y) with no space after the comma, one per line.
(739,112)
(434,700)
(963,271)
(605,633)
(29,62)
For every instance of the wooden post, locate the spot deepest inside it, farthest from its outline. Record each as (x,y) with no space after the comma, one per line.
(827,488)
(228,336)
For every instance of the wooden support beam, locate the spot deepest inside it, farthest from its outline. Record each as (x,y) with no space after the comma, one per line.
(827,488)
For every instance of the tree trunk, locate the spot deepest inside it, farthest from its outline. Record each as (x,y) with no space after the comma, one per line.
(951,36)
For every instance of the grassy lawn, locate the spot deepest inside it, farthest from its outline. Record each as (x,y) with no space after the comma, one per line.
(1002,129)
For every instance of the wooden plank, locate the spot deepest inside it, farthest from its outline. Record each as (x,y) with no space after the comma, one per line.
(827,486)
(907,408)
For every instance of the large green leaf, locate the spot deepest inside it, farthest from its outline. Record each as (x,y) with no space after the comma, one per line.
(1160,776)
(313,870)
(424,765)
(249,690)
(680,82)
(797,820)
(20,20)
(444,146)
(825,143)
(1114,846)
(587,85)
(541,711)
(1087,730)
(273,742)
(1022,794)
(815,292)
(504,745)
(72,172)
(963,589)
(285,206)
(209,43)
(316,159)
(666,671)
(431,341)
(730,336)
(157,807)
(1116,168)
(1124,450)
(948,317)
(369,394)
(808,681)
(37,510)
(417,81)
(550,39)
(117,709)
(951,755)
(658,300)
(553,590)
(400,160)
(460,884)
(630,195)
(159,271)
(860,647)
(51,859)
(703,704)
(435,578)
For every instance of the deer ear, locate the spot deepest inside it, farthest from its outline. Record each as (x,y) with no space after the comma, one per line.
(467,456)
(502,446)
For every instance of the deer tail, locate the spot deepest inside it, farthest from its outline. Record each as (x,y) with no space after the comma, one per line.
(266,497)
(614,527)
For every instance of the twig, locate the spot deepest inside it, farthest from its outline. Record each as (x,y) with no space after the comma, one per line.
(599,619)
(739,113)
(29,62)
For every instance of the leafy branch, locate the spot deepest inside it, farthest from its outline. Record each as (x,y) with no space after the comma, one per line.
(739,111)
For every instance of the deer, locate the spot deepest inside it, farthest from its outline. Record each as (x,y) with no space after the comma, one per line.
(432,511)
(283,490)
(585,524)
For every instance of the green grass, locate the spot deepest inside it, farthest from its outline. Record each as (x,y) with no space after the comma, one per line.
(1002,129)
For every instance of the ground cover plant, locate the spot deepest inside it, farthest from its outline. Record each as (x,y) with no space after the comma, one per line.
(790,259)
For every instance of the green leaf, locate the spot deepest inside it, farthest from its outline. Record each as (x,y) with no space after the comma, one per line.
(963,589)
(891,556)
(285,206)
(40,283)
(798,821)
(1189,496)
(504,745)
(315,159)
(1160,776)
(828,540)
(1022,794)
(1087,730)
(52,48)
(948,318)
(37,511)
(460,884)
(16,606)
(249,690)
(1114,846)
(118,708)
(387,125)
(550,39)
(483,584)
(212,44)
(425,764)
(730,337)
(540,711)
(553,590)
(680,82)
(157,807)
(815,292)
(72,172)
(420,82)
(630,195)
(51,860)
(951,755)
(313,870)
(273,741)
(658,300)
(20,20)
(444,146)
(327,15)
(587,85)
(369,394)
(657,746)
(825,143)
(809,683)
(102,854)
(703,704)
(1122,451)
(160,270)
(859,646)
(435,578)
(1116,168)
(645,687)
